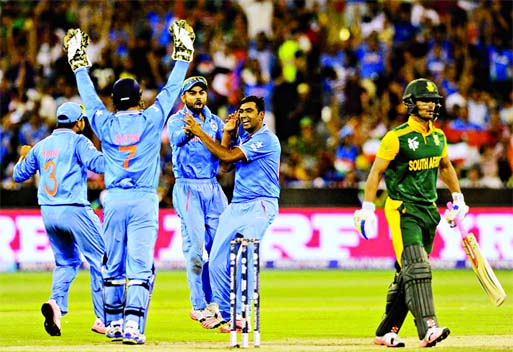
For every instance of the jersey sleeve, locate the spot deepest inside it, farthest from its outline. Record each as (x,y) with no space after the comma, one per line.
(26,168)
(90,157)
(220,129)
(175,130)
(96,112)
(389,146)
(257,147)
(445,151)
(165,100)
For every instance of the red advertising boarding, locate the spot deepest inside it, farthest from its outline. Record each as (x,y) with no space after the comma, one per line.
(299,237)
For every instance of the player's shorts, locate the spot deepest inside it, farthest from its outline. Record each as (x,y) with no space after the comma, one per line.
(411,223)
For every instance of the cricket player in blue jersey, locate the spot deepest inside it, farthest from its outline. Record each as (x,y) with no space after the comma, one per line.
(198,198)
(62,160)
(131,142)
(254,205)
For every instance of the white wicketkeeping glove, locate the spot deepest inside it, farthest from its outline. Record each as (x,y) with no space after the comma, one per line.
(365,220)
(459,209)
(183,38)
(75,44)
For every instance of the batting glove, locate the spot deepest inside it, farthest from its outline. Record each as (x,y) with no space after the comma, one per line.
(75,44)
(183,38)
(459,209)
(365,220)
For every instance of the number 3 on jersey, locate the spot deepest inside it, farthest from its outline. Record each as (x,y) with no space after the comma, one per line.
(50,164)
(131,152)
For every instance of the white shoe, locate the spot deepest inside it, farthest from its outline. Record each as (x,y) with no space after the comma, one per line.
(115,330)
(201,314)
(52,314)
(132,336)
(390,339)
(434,335)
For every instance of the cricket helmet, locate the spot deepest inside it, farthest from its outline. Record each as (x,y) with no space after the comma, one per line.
(126,93)
(421,89)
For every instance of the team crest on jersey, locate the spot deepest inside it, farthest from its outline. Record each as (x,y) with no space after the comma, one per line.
(436,139)
(213,125)
(413,144)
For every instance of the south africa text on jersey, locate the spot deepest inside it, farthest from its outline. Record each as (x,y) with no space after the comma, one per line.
(424,163)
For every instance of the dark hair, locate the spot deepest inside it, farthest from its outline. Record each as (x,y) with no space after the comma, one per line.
(68,125)
(259,102)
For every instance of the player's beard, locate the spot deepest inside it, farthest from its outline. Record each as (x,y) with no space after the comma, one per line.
(195,109)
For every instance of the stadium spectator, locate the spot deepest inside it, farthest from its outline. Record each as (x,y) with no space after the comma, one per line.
(473,177)
(474,37)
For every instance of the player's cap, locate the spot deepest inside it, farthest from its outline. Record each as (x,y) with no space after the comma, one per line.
(194,81)
(70,112)
(126,93)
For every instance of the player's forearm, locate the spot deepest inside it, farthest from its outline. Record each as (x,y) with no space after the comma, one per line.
(21,172)
(227,139)
(221,152)
(371,187)
(450,178)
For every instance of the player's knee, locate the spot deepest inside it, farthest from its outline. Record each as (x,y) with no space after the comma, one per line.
(139,283)
(111,281)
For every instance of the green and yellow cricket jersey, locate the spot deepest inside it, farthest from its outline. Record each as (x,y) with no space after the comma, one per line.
(414,155)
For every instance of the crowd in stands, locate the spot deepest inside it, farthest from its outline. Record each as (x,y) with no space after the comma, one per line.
(332,73)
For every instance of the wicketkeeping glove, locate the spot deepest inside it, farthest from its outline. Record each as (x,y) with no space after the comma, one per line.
(75,44)
(183,38)
(365,220)
(459,209)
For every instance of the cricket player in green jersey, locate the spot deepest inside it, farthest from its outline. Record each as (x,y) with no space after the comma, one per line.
(410,157)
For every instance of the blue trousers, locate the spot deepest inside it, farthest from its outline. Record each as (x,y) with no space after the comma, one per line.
(73,230)
(130,227)
(198,203)
(251,220)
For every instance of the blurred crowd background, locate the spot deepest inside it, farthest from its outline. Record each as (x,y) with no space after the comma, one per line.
(332,73)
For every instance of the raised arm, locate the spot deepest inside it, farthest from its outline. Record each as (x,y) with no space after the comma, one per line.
(75,44)
(183,50)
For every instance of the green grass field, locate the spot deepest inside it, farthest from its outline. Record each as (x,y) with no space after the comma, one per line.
(330,310)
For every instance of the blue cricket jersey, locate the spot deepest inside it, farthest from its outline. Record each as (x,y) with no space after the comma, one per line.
(62,160)
(259,176)
(191,159)
(131,139)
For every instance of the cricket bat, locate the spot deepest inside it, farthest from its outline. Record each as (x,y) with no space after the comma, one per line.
(480,265)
